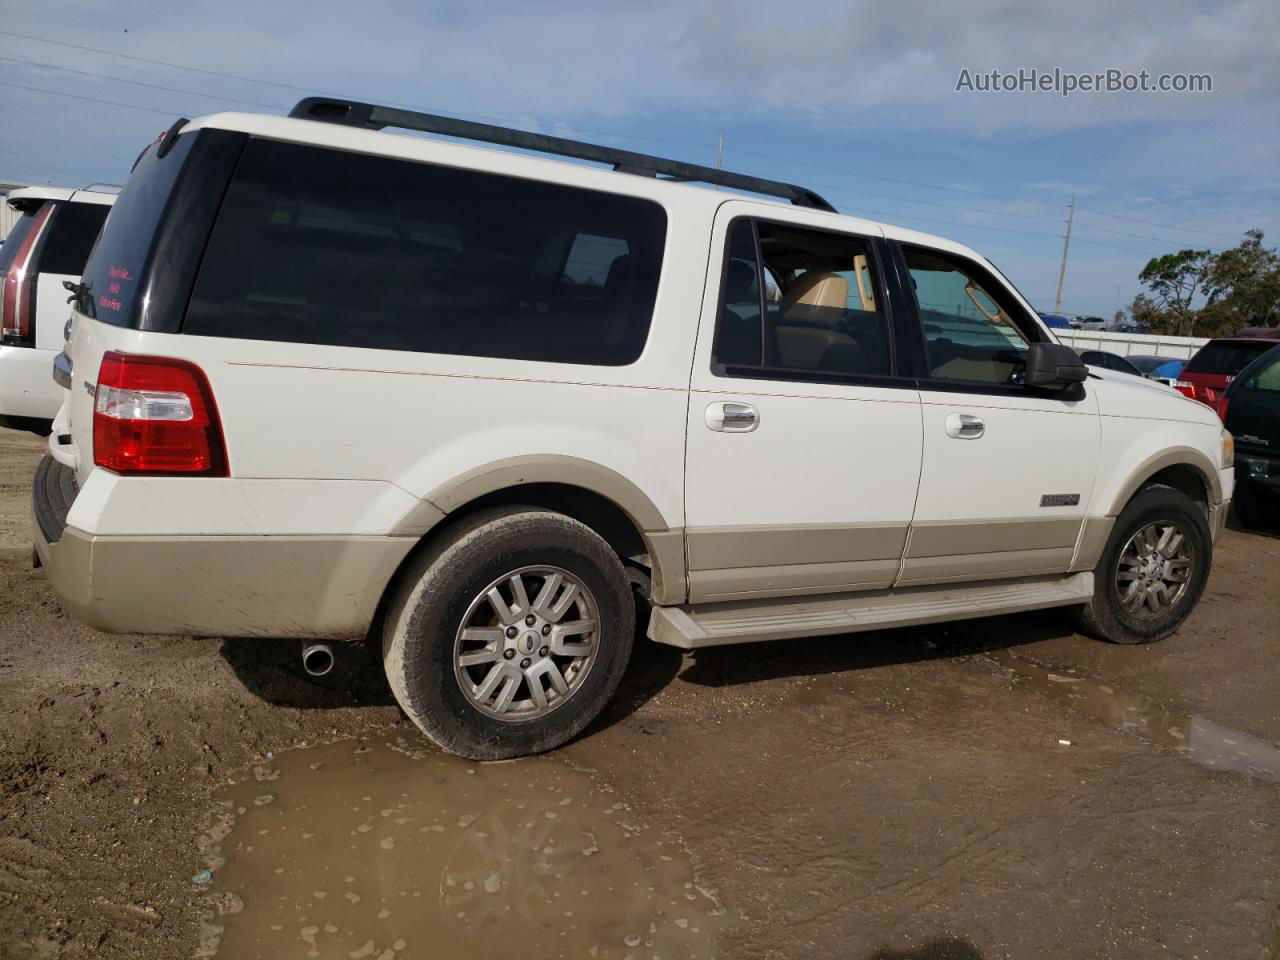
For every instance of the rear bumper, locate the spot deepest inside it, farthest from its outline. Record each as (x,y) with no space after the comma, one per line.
(232,586)
(27,388)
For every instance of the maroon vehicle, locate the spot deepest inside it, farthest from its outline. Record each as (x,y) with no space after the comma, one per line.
(1215,365)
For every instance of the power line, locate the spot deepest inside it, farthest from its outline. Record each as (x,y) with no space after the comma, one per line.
(1153,223)
(140,83)
(158,63)
(76,96)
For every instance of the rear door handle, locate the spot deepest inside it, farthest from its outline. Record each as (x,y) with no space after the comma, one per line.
(730,417)
(964,426)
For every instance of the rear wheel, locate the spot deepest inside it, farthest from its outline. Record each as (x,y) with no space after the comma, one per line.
(1152,571)
(509,635)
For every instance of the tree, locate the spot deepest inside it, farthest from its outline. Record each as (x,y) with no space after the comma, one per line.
(1174,280)
(1243,286)
(1240,287)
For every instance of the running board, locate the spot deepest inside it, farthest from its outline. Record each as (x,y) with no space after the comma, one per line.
(745,621)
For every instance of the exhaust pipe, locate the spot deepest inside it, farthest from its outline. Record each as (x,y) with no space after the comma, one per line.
(317,658)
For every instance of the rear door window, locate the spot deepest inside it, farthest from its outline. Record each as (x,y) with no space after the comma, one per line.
(326,247)
(71,236)
(820,315)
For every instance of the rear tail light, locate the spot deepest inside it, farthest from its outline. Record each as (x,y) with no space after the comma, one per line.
(1185,388)
(18,301)
(1222,407)
(155,415)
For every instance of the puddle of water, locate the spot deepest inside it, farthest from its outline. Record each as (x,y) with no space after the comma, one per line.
(1199,740)
(381,851)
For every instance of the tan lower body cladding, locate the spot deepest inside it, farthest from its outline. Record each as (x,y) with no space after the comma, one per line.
(735,563)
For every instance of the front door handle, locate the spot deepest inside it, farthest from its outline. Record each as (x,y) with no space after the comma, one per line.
(732,417)
(963,426)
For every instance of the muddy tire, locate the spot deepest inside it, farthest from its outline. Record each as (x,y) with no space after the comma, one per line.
(1153,569)
(509,634)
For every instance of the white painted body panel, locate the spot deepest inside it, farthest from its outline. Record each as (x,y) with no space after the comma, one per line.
(1030,447)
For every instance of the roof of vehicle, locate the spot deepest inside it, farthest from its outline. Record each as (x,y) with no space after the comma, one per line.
(94,193)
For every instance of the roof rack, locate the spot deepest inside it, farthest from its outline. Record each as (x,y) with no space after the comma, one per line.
(373,117)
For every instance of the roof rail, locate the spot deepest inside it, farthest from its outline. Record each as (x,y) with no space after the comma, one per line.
(373,117)
(103,187)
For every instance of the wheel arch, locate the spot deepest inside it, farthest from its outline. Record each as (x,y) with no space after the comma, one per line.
(602,499)
(1186,469)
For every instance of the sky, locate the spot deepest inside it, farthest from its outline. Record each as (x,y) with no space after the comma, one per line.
(855,100)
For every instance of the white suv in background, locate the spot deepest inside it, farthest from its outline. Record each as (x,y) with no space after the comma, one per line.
(48,245)
(485,409)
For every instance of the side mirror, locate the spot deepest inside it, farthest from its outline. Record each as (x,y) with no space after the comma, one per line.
(1054,366)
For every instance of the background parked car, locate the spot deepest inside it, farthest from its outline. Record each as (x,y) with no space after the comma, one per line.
(1109,361)
(1167,370)
(1055,320)
(1250,409)
(1217,362)
(1088,323)
(48,245)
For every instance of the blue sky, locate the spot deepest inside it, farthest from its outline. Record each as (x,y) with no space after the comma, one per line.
(855,100)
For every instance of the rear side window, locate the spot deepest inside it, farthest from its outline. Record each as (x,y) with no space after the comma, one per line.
(71,235)
(320,246)
(112,275)
(1227,357)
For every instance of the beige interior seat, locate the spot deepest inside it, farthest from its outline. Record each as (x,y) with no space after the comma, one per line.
(810,310)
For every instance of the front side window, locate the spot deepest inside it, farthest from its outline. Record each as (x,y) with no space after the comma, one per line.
(969,327)
(320,246)
(800,302)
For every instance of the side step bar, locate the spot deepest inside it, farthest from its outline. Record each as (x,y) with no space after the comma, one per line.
(744,621)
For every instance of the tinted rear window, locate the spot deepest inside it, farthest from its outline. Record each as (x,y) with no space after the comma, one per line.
(111,277)
(320,246)
(71,235)
(14,240)
(1226,357)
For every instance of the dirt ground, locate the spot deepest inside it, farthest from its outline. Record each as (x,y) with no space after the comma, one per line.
(926,794)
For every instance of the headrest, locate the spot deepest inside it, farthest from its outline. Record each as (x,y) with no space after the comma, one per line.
(815,297)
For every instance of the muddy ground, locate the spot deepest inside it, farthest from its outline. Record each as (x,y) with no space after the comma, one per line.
(906,794)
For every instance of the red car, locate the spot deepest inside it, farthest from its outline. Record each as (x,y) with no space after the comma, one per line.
(1218,361)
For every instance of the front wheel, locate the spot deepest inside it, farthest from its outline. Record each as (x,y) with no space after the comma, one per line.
(1153,570)
(510,634)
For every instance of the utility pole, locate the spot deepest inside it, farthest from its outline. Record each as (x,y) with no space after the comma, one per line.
(720,153)
(1066,245)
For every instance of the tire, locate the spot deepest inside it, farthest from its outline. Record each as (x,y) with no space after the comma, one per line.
(1107,616)
(1255,508)
(449,582)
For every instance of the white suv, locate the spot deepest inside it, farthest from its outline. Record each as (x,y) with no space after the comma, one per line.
(485,408)
(47,247)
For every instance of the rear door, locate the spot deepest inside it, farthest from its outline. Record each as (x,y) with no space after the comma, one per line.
(803,442)
(1008,471)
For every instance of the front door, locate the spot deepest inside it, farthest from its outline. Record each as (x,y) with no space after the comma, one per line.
(1008,470)
(804,445)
